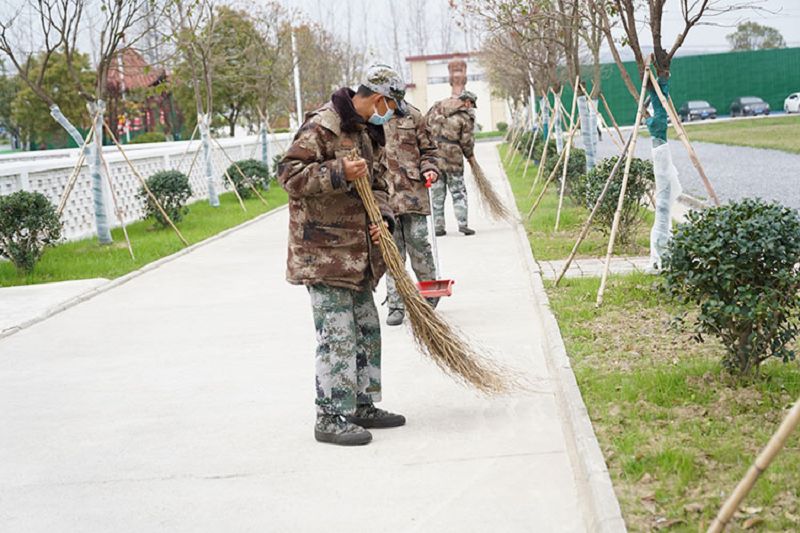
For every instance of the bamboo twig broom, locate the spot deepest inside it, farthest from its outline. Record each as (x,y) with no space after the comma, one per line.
(433,335)
(497,209)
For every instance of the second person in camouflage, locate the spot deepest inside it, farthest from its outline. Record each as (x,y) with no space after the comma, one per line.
(452,122)
(411,160)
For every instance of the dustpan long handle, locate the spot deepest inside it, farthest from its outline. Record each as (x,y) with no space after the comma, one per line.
(432,228)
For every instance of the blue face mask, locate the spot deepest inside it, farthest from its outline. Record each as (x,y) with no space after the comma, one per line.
(380,120)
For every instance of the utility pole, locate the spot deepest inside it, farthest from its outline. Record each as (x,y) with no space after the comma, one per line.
(121,68)
(531,95)
(298,101)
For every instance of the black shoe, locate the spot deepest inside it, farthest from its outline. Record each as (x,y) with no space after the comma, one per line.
(440,232)
(395,317)
(337,429)
(369,416)
(466,231)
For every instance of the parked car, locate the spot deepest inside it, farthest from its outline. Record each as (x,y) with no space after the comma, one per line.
(696,110)
(792,103)
(749,105)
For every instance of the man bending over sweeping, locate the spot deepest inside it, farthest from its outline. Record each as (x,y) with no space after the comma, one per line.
(452,122)
(411,158)
(333,249)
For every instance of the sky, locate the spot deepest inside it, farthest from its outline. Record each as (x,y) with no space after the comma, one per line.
(370,24)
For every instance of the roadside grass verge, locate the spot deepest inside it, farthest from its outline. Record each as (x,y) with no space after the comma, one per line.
(548,244)
(87,259)
(677,432)
(489,134)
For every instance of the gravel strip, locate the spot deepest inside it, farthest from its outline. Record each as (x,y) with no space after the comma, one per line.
(736,172)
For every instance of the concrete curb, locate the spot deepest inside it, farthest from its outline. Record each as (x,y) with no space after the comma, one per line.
(88,295)
(602,513)
(692,202)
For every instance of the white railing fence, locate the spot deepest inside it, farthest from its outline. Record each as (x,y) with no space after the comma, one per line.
(47,172)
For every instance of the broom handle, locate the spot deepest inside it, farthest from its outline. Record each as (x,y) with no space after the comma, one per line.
(432,228)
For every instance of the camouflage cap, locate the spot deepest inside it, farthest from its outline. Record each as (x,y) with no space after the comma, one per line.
(385,80)
(469,95)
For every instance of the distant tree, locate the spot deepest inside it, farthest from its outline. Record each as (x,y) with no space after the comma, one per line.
(33,114)
(234,38)
(753,36)
(9,87)
(54,27)
(323,62)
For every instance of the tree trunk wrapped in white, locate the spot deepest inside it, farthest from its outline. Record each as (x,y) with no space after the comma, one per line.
(264,144)
(545,117)
(93,156)
(588,117)
(557,128)
(96,111)
(668,189)
(205,138)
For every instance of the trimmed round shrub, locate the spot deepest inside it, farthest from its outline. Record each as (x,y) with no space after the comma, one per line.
(524,146)
(576,174)
(538,151)
(640,180)
(255,172)
(738,263)
(172,190)
(276,162)
(502,127)
(149,137)
(28,223)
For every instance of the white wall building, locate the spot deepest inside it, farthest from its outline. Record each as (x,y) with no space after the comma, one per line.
(430,83)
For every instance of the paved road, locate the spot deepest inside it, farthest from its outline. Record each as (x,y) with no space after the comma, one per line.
(735,172)
(183,401)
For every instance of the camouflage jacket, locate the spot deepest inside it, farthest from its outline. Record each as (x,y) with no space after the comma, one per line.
(410,152)
(451,125)
(329,240)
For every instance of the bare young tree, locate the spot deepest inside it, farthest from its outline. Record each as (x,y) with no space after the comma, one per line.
(271,59)
(446,30)
(395,38)
(59,23)
(693,13)
(192,24)
(417,28)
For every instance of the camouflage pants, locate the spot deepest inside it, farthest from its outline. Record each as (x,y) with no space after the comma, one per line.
(348,361)
(458,190)
(411,237)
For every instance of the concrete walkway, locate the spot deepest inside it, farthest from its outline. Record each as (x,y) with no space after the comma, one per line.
(182,400)
(19,305)
(593,267)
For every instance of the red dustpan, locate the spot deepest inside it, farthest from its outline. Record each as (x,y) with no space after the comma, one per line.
(436,288)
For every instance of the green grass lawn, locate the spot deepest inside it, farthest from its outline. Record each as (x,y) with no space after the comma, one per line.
(548,244)
(87,259)
(777,133)
(676,431)
(489,134)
